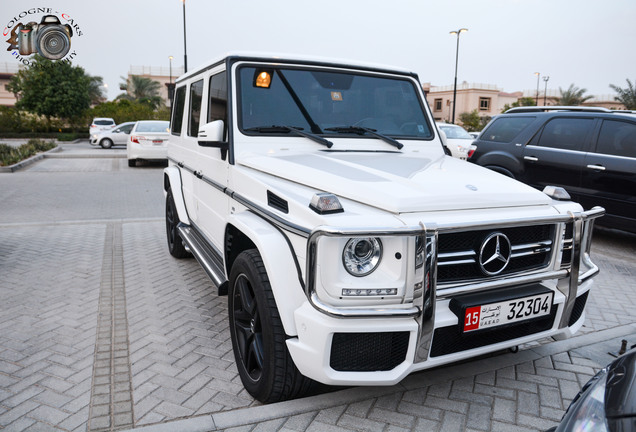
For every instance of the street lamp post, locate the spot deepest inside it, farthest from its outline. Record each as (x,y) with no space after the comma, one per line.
(456,32)
(170,57)
(545,91)
(537,99)
(185,49)
(170,92)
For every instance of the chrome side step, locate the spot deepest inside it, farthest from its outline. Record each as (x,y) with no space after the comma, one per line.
(206,254)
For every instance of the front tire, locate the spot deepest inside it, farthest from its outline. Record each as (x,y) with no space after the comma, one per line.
(132,163)
(266,369)
(175,243)
(106,143)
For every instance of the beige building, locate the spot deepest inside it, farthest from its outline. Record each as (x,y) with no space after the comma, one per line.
(488,99)
(163,75)
(7,70)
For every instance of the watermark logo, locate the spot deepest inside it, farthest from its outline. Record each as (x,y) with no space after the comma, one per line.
(50,37)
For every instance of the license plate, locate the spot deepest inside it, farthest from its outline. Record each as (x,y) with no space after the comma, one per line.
(506,312)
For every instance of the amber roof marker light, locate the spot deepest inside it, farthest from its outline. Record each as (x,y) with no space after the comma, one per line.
(263,78)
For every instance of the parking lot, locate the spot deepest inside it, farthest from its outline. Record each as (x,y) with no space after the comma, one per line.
(101,329)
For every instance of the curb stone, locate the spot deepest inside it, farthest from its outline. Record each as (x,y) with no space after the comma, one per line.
(29,161)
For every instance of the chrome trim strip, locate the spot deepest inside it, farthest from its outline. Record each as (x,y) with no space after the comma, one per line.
(541,244)
(428,299)
(363,312)
(573,274)
(443,293)
(264,213)
(465,261)
(456,254)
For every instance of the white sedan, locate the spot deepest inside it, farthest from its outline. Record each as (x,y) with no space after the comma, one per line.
(148,141)
(458,141)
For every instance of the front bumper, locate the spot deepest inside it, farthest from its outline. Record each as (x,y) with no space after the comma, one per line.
(342,345)
(375,351)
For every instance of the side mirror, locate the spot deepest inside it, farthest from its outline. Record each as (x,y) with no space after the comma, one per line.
(211,135)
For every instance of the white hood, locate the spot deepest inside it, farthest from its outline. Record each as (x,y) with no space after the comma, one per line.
(399,182)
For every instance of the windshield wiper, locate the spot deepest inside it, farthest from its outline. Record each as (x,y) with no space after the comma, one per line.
(362,130)
(297,130)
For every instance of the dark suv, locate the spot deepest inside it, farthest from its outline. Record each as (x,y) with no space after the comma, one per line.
(591,152)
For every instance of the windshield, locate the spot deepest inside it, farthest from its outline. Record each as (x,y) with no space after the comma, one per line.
(456,132)
(329,103)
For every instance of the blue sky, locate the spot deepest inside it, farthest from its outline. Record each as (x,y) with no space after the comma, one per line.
(584,42)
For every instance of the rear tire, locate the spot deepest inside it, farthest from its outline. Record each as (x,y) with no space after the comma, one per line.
(106,143)
(266,369)
(175,243)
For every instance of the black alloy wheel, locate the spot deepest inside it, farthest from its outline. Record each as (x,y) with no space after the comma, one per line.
(266,369)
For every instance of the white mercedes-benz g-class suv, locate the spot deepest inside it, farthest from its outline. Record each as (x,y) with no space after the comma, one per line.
(317,195)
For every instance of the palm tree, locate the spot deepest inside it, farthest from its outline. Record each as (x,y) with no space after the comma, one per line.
(96,89)
(572,96)
(626,96)
(141,89)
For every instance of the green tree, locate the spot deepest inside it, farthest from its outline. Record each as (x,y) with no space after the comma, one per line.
(472,121)
(142,89)
(524,101)
(52,89)
(626,96)
(572,96)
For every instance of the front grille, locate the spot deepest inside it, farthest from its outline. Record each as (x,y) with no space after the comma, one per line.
(579,307)
(451,339)
(458,252)
(368,352)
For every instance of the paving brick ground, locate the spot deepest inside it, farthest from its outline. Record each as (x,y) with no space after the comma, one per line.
(100,329)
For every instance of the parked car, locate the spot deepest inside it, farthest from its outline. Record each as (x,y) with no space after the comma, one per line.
(591,152)
(316,194)
(458,140)
(607,403)
(116,136)
(101,124)
(148,141)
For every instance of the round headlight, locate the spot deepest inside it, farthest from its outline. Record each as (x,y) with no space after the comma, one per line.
(362,255)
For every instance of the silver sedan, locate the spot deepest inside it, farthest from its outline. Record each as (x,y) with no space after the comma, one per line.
(116,136)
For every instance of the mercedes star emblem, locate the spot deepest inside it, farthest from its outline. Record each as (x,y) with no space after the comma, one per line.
(494,254)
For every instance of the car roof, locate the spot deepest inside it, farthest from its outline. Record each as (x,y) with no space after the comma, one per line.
(294,58)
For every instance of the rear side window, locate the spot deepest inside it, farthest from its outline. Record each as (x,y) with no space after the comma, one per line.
(565,133)
(177,111)
(505,129)
(217,109)
(196,95)
(617,138)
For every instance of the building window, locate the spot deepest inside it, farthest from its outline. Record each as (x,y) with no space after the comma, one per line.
(438,105)
(484,104)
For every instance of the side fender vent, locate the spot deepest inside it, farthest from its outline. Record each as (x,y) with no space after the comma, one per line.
(277,202)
